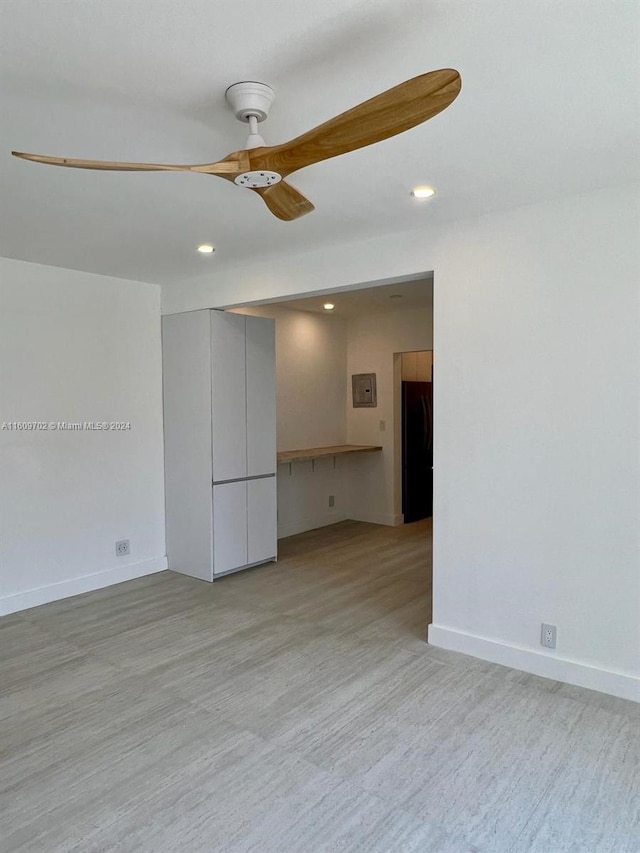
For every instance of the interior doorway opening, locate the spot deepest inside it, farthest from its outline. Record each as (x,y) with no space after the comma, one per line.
(370,341)
(332,503)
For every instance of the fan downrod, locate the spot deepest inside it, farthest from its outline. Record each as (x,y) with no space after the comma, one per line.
(251,102)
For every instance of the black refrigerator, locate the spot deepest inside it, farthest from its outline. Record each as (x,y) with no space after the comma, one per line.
(417,450)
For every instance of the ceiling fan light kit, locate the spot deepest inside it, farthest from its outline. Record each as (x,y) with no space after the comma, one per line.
(263,169)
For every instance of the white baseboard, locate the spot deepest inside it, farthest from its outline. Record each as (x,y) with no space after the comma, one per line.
(539,663)
(388,519)
(301,525)
(76,586)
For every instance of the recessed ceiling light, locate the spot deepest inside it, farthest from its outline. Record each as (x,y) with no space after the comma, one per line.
(423,192)
(328,306)
(206,249)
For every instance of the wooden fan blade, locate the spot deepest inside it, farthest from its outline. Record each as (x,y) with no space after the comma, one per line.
(385,115)
(223,168)
(285,201)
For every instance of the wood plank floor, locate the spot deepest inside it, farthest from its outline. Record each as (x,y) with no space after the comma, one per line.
(297,707)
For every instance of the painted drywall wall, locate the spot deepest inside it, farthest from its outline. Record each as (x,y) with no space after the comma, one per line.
(304,490)
(77,347)
(311,407)
(311,351)
(536,426)
(536,421)
(373,339)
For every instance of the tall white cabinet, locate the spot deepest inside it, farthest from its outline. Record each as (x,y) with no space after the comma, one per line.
(220,441)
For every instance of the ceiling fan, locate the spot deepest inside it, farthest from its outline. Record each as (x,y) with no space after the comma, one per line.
(263,168)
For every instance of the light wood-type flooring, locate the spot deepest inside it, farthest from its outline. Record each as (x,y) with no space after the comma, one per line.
(297,707)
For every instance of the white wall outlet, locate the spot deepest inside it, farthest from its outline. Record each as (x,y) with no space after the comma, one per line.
(123,547)
(332,501)
(383,426)
(548,636)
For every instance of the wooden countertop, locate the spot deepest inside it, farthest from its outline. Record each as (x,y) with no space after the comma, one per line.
(316,452)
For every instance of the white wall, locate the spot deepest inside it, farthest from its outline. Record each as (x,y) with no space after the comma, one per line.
(303,494)
(76,347)
(372,341)
(311,381)
(311,352)
(536,421)
(537,443)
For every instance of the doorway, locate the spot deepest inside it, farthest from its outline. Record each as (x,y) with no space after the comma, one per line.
(337,511)
(417,435)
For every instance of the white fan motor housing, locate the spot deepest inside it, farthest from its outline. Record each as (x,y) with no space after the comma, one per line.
(250,99)
(257,179)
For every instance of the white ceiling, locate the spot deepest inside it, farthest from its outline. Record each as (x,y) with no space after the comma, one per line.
(369,300)
(549,106)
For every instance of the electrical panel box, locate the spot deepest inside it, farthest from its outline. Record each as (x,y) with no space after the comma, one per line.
(364,390)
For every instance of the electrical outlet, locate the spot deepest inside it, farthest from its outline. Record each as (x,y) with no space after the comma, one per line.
(123,548)
(548,636)
(383,426)
(332,501)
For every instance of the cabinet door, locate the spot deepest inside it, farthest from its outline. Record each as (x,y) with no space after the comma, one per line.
(186,375)
(228,396)
(262,517)
(261,396)
(229,527)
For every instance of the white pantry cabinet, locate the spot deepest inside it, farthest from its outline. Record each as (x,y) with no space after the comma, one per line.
(262,540)
(261,396)
(220,441)
(230,521)
(228,396)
